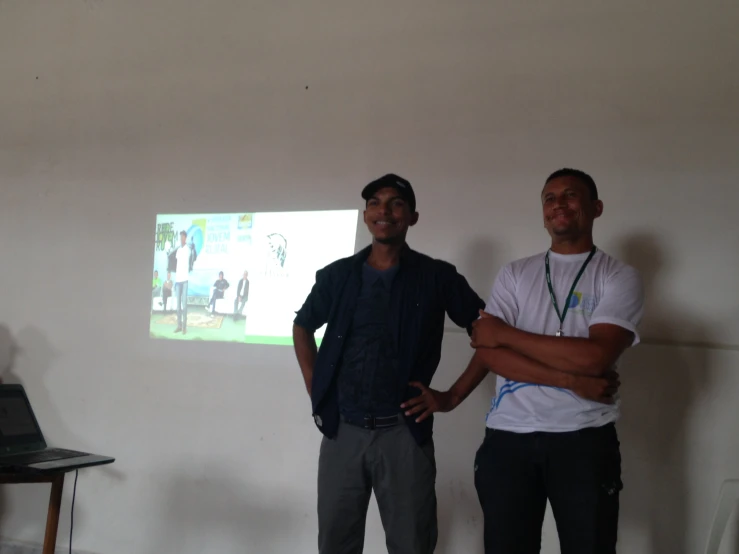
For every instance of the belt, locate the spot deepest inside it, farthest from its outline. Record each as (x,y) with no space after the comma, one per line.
(372,422)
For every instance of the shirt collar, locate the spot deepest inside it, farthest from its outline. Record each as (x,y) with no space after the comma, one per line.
(407,256)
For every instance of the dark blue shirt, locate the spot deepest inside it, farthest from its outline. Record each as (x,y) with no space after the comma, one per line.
(368,374)
(424,291)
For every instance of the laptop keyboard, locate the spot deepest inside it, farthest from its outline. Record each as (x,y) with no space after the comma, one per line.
(48,455)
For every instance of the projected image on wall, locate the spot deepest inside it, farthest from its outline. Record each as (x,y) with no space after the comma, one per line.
(241,277)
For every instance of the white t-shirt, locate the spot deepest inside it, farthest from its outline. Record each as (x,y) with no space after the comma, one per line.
(183,264)
(609,291)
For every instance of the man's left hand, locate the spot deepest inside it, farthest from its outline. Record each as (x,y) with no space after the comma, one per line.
(486,331)
(427,403)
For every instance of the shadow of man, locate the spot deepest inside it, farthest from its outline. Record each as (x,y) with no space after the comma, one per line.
(8,350)
(32,357)
(224,511)
(660,382)
(458,435)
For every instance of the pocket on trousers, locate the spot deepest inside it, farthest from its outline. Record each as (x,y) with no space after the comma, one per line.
(425,451)
(481,458)
(612,483)
(610,459)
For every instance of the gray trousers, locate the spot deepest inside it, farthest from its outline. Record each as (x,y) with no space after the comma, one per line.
(239,306)
(180,291)
(400,472)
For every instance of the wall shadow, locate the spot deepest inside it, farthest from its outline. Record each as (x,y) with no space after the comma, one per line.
(659,386)
(481,263)
(8,353)
(31,358)
(458,435)
(215,510)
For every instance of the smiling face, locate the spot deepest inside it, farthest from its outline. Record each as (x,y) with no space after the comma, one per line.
(388,216)
(568,208)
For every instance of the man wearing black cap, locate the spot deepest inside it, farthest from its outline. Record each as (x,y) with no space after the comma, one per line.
(385,309)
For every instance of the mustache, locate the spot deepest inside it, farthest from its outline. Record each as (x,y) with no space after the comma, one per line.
(555,213)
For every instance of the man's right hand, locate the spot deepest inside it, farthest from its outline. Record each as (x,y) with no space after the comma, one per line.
(600,389)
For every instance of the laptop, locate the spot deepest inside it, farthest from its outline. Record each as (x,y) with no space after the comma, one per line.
(22,445)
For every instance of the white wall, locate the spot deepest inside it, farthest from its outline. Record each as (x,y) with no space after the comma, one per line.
(113,111)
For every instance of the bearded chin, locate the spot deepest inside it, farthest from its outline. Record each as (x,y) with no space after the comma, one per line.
(389,240)
(562,231)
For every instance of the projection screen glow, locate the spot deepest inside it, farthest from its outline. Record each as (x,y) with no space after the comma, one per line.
(268,260)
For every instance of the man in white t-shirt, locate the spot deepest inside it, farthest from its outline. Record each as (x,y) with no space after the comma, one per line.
(553,330)
(184,258)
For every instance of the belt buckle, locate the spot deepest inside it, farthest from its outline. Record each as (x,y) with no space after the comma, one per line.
(369,423)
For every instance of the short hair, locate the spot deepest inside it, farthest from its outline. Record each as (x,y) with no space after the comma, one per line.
(220,273)
(155,271)
(586,179)
(183,233)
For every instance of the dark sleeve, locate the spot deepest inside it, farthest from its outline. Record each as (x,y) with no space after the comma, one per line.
(461,303)
(172,260)
(316,308)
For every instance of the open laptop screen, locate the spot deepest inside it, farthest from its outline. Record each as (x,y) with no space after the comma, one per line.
(18,426)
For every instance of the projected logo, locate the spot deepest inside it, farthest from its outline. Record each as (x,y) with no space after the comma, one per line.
(195,235)
(278,249)
(245,221)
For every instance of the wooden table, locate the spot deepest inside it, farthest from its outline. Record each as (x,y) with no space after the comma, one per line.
(55,500)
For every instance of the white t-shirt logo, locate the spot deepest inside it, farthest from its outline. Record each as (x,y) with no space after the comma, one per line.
(582,303)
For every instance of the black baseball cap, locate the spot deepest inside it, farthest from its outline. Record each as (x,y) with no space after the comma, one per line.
(403,186)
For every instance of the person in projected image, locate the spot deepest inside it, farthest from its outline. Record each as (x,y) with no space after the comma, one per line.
(156,285)
(167,290)
(219,287)
(242,296)
(385,309)
(181,260)
(553,331)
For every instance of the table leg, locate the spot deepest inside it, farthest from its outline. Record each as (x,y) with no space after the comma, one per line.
(52,517)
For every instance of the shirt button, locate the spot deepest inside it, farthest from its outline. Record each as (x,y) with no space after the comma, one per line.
(340,337)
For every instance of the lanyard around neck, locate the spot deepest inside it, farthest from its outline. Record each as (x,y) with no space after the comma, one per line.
(563,314)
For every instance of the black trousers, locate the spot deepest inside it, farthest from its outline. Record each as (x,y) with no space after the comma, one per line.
(579,473)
